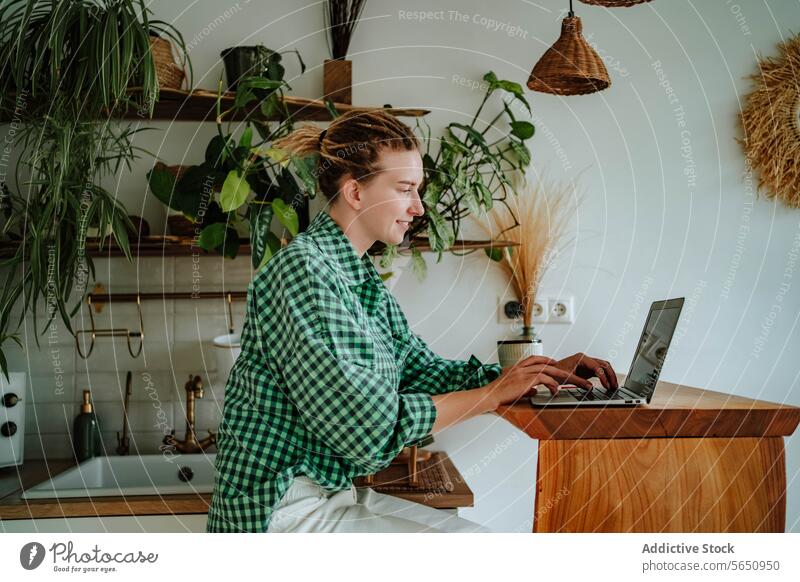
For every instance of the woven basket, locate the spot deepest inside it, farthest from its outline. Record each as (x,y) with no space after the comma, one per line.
(170,75)
(570,66)
(614,3)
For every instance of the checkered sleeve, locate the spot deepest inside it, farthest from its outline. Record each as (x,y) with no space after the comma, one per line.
(328,372)
(427,372)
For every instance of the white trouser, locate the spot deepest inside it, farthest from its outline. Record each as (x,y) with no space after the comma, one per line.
(308,507)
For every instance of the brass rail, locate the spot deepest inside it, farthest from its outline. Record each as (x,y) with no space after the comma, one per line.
(99,297)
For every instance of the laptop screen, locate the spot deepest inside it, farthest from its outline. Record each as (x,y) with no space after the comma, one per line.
(653,345)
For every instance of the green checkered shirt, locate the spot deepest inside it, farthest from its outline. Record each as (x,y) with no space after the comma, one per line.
(331,383)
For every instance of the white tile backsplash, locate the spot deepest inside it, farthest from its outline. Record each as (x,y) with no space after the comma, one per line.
(56,387)
(50,417)
(211,272)
(178,342)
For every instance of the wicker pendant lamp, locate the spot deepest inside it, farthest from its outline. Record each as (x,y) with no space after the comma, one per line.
(570,66)
(614,3)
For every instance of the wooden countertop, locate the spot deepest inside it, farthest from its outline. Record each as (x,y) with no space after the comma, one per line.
(675,411)
(13,480)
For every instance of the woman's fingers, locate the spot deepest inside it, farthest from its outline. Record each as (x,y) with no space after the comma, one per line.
(562,376)
(552,385)
(599,370)
(536,360)
(610,373)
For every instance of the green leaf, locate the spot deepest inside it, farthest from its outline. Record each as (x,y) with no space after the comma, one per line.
(433,193)
(215,150)
(259,82)
(522,129)
(212,236)
(386,276)
(440,233)
(247,138)
(388,256)
(162,185)
(523,153)
(305,168)
(516,90)
(260,222)
(508,111)
(473,134)
(277,155)
(273,246)
(494,253)
(490,78)
(512,87)
(271,107)
(234,191)
(244,95)
(418,265)
(472,199)
(485,194)
(331,108)
(286,216)
(230,244)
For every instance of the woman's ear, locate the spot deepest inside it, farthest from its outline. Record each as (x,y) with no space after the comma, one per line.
(351,192)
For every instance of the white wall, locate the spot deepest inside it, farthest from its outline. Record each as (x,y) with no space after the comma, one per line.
(667,211)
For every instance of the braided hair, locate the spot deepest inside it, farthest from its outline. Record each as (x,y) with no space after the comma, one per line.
(351,145)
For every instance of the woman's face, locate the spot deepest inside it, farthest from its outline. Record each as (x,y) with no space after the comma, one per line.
(391,198)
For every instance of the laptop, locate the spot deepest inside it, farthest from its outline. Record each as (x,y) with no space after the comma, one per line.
(640,383)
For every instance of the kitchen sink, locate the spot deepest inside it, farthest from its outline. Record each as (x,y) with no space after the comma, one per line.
(130,475)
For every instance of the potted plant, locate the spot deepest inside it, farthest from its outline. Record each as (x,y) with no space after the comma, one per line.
(252,61)
(62,65)
(241,184)
(341,19)
(535,219)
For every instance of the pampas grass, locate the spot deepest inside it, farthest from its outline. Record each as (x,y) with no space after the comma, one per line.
(543,210)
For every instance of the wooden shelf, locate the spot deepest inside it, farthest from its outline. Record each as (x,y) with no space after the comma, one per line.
(183,246)
(200,105)
(465,245)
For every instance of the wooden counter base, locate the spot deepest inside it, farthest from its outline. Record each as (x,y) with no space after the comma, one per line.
(692,460)
(661,485)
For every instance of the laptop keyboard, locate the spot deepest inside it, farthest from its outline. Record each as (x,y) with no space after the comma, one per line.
(594,394)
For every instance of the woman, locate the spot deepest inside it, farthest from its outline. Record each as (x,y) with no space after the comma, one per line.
(331,383)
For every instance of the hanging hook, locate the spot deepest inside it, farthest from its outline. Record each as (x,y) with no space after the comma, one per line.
(111,332)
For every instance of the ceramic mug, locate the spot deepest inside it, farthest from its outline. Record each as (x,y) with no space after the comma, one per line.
(509,352)
(226,349)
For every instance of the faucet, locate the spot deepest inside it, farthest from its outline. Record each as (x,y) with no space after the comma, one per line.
(123,443)
(190,444)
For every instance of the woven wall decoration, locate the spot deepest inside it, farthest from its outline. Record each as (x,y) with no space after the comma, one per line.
(770,124)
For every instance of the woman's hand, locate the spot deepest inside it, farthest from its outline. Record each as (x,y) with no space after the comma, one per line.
(587,367)
(521,379)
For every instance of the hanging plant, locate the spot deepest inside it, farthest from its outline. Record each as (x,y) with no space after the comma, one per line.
(62,65)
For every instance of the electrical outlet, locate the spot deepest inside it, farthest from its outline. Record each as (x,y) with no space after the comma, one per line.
(539,311)
(561,310)
(508,311)
(505,310)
